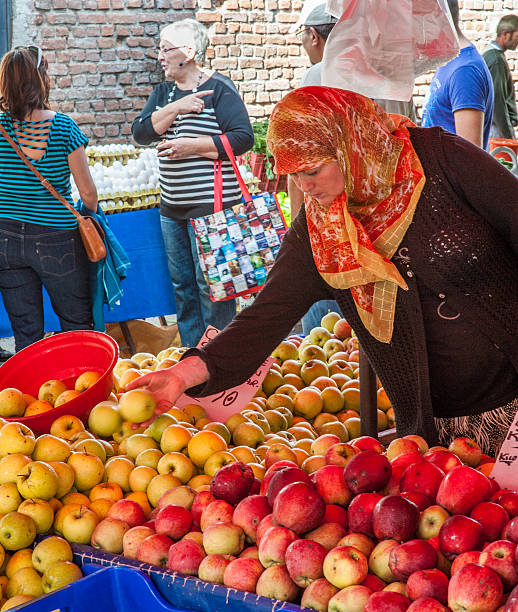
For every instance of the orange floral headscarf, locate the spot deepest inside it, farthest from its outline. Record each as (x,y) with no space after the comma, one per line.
(355,237)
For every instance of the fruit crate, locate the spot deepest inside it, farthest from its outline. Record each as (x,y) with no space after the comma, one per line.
(185,592)
(110,589)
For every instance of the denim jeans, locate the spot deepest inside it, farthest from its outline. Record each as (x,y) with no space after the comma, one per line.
(195,310)
(33,255)
(314,315)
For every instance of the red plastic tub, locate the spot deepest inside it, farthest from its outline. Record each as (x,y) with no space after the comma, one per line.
(503,142)
(63,357)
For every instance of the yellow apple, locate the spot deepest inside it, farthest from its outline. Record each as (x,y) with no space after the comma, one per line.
(136,443)
(17,531)
(10,465)
(137,405)
(40,511)
(59,575)
(201,480)
(25,581)
(16,438)
(248,434)
(243,453)
(20,558)
(194,412)
(66,476)
(124,364)
(149,457)
(174,438)
(88,468)
(60,516)
(50,390)
(10,498)
(79,525)
(74,497)
(218,460)
(180,496)
(234,420)
(50,551)
(104,419)
(141,357)
(159,485)
(106,490)
(66,426)
(90,445)
(203,444)
(101,507)
(86,380)
(177,464)
(65,397)
(140,477)
(37,480)
(128,376)
(50,448)
(118,470)
(12,403)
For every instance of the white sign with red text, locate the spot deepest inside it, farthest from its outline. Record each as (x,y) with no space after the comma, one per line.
(505,470)
(226,403)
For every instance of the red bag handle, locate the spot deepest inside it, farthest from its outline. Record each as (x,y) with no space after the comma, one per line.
(218,177)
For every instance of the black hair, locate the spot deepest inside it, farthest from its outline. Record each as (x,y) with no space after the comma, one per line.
(323,30)
(454,10)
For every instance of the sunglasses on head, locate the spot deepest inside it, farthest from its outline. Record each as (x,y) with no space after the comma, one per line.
(36,51)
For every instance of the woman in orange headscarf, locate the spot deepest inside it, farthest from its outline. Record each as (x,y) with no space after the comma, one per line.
(401,226)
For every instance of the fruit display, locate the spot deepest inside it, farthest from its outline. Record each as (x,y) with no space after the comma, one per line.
(285,499)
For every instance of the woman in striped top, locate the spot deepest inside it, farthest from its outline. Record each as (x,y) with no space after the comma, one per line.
(187,113)
(39,240)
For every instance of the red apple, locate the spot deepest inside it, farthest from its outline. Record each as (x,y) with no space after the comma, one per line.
(243,574)
(330,483)
(387,601)
(471,556)
(467,450)
(430,521)
(185,557)
(492,517)
(459,534)
(108,535)
(395,517)
(232,482)
(407,459)
(443,459)
(133,538)
(283,478)
(200,502)
(364,443)
(335,514)
(173,521)
(428,583)
(128,511)
(249,513)
(419,499)
(360,541)
(279,465)
(374,583)
(509,501)
(392,486)
(250,551)
(272,547)
(379,560)
(511,605)
(275,582)
(462,489)
(304,560)
(340,454)
(500,557)
(344,566)
(212,568)
(155,550)
(422,477)
(263,527)
(510,530)
(360,511)
(427,604)
(351,599)
(366,472)
(218,511)
(299,507)
(318,594)
(342,329)
(410,557)
(327,534)
(475,588)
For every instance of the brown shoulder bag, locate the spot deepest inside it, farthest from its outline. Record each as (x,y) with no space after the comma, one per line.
(91,232)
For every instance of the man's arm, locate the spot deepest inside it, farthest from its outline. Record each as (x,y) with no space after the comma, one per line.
(469,123)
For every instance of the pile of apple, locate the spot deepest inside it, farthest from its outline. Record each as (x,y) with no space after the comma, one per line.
(26,573)
(51,394)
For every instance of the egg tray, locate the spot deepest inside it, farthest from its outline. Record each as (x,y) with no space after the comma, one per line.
(129,208)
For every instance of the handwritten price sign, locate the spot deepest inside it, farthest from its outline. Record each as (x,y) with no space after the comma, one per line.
(226,403)
(505,471)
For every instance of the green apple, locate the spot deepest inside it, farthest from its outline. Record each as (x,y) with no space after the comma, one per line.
(104,419)
(286,350)
(17,531)
(37,479)
(60,574)
(50,551)
(136,443)
(329,320)
(156,429)
(137,405)
(319,335)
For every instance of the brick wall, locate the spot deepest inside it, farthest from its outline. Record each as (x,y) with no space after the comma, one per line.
(103,52)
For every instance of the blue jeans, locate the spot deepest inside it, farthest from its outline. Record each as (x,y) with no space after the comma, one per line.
(314,315)
(195,310)
(34,255)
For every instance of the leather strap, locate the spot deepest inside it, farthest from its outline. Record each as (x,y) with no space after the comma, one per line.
(42,179)
(218,177)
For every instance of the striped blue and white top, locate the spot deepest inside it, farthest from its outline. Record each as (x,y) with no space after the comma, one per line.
(22,196)
(187,185)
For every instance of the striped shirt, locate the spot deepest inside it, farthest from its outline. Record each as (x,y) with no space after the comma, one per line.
(22,196)
(187,185)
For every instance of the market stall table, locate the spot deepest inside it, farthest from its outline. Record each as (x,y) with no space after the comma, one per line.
(148,290)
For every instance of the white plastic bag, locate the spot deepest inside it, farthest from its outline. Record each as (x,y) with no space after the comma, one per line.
(379,47)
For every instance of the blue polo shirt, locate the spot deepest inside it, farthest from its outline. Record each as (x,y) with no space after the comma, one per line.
(464,82)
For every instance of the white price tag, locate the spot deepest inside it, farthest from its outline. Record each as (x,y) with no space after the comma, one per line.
(505,470)
(226,403)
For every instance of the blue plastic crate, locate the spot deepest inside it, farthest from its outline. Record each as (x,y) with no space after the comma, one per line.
(107,589)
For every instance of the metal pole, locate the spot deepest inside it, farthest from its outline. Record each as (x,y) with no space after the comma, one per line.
(368,397)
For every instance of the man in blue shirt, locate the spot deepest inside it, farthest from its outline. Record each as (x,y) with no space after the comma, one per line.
(460,98)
